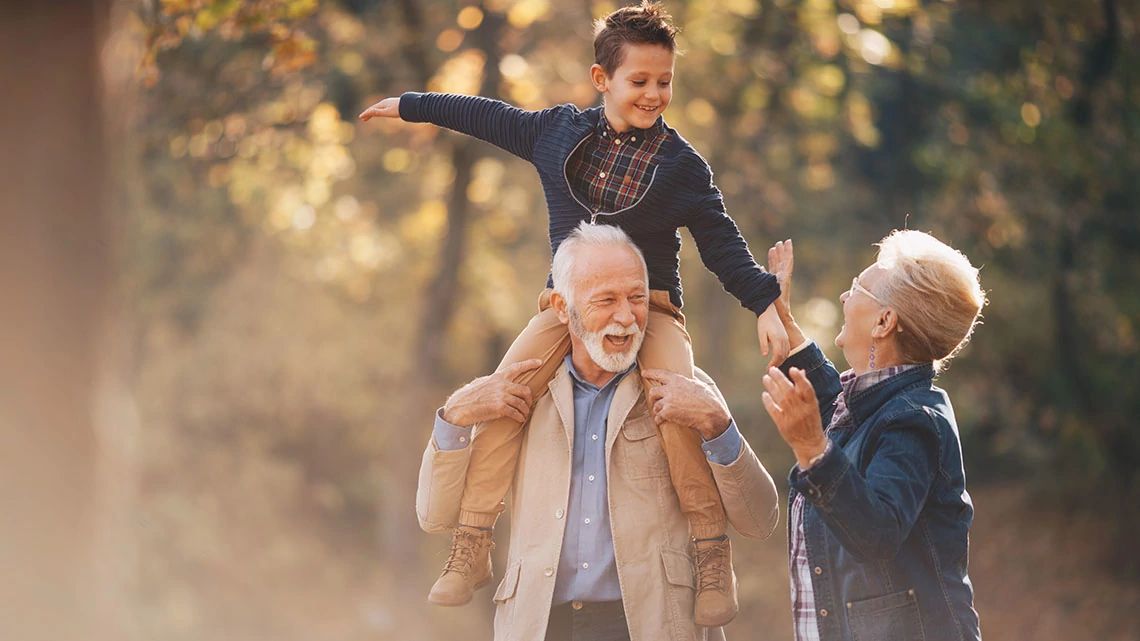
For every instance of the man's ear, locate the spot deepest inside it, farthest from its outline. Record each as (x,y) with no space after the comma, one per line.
(598,77)
(559,305)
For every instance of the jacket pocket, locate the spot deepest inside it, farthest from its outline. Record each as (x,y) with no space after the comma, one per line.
(891,617)
(678,568)
(680,593)
(509,585)
(642,450)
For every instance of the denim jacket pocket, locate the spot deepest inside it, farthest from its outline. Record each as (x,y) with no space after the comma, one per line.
(509,585)
(642,450)
(891,617)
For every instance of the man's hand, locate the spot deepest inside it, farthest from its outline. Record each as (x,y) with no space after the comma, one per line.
(499,395)
(685,401)
(386,108)
(773,336)
(794,409)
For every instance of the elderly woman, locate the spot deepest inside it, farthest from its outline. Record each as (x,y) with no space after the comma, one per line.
(879,521)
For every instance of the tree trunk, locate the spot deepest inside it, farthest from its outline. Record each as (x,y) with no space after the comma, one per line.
(53,278)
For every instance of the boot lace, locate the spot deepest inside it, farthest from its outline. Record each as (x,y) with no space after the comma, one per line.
(463,546)
(711,561)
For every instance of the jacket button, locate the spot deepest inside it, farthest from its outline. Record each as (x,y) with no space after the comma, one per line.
(558,513)
(818,570)
(548,572)
(823,612)
(577,605)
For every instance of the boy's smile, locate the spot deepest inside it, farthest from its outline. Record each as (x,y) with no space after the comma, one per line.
(640,88)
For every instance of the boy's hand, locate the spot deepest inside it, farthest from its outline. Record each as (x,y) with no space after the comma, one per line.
(773,336)
(386,108)
(487,398)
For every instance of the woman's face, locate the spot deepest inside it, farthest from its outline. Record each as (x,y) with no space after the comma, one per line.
(861,313)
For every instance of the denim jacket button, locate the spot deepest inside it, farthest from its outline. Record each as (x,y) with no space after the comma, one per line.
(818,570)
(823,612)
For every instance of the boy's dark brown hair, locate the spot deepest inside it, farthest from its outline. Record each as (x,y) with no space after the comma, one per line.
(646,23)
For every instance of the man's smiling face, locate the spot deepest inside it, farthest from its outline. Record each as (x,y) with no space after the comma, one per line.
(610,306)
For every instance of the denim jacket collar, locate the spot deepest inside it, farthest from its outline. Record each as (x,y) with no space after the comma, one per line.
(864,403)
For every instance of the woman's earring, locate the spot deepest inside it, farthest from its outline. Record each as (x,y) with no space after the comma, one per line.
(871,360)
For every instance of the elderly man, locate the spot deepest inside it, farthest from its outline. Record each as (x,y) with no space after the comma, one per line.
(599,548)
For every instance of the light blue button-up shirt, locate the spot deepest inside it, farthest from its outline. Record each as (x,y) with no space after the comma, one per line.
(587,569)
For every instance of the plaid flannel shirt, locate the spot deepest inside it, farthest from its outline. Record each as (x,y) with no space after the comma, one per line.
(611,171)
(803,598)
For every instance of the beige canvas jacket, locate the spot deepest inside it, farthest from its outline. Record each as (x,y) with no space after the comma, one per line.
(651,536)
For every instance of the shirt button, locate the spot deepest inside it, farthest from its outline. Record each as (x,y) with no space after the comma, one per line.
(548,571)
(601,174)
(823,612)
(591,477)
(577,605)
(587,521)
(708,453)
(462,439)
(585,566)
(594,437)
(558,513)
(617,141)
(633,138)
(818,570)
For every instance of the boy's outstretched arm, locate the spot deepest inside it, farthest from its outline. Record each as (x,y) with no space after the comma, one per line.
(494,121)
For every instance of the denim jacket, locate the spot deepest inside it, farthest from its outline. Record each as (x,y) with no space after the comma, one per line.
(887,516)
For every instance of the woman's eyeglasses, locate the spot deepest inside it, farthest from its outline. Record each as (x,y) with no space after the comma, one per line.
(856,287)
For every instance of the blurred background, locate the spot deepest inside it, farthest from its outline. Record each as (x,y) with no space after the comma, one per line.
(229,309)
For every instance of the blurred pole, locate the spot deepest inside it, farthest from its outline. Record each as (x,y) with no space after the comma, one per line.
(53,278)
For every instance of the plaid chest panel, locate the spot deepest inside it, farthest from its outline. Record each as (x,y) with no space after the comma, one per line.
(804,623)
(609,174)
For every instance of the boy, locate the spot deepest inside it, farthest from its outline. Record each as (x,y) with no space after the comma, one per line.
(618,164)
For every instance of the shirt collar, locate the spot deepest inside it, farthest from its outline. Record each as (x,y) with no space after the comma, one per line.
(606,131)
(852,382)
(578,380)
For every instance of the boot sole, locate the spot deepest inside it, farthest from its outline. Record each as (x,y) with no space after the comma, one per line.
(448,603)
(717,622)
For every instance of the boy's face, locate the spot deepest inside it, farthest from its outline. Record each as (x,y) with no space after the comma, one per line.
(640,88)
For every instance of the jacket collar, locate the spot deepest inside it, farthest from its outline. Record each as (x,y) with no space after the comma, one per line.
(864,403)
(561,388)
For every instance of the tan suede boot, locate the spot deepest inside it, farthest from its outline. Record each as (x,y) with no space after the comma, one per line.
(716,602)
(468,567)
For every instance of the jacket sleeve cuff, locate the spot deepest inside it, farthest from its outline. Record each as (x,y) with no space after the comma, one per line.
(449,437)
(410,106)
(806,357)
(769,291)
(818,483)
(726,448)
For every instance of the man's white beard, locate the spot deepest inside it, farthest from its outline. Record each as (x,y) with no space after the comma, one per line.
(615,362)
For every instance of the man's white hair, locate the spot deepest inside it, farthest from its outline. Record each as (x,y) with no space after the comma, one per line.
(587,235)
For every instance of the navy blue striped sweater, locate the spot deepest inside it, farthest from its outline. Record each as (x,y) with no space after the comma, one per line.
(681,191)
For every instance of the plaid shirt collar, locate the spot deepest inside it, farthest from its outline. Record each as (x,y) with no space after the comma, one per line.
(852,383)
(605,130)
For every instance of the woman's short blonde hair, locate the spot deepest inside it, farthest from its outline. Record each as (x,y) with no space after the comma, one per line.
(935,291)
